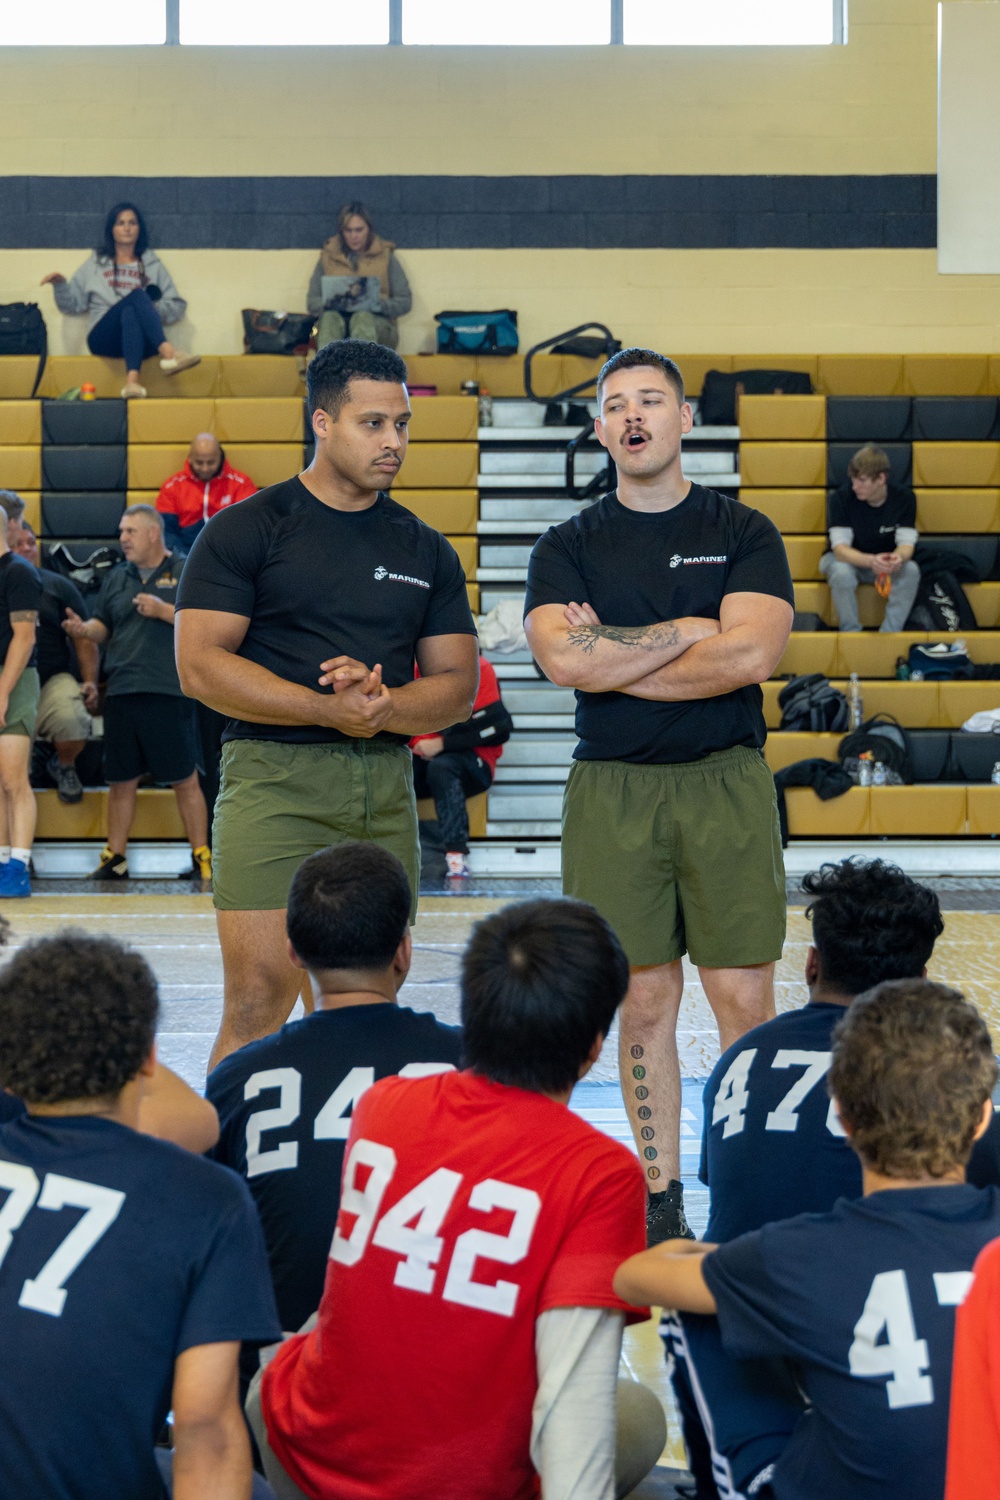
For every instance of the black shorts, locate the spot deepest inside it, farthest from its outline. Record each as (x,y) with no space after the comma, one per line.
(152,732)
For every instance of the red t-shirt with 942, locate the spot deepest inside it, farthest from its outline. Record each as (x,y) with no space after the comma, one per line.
(468,1209)
(974,1427)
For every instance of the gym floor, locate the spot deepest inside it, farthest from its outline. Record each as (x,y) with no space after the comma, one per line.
(174,926)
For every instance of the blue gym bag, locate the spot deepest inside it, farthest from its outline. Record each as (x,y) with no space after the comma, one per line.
(477,332)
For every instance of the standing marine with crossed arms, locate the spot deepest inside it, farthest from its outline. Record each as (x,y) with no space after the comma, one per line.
(669,822)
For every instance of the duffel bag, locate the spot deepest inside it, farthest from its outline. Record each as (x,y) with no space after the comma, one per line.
(477,332)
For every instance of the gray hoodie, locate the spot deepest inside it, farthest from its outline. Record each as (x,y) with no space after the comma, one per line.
(90,290)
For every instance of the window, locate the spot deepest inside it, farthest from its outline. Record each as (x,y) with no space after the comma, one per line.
(290,23)
(68,23)
(499,23)
(732,23)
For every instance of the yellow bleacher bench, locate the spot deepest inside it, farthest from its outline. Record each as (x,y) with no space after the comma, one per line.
(955,464)
(443,466)
(784,748)
(455,512)
(444,418)
(983,810)
(20,468)
(256,375)
(809,651)
(928,811)
(949,510)
(814,598)
(164,421)
(804,553)
(259,419)
(32,509)
(860,374)
(472,590)
(20,423)
(17,376)
(846,816)
(774,465)
(765,418)
(945,374)
(790,510)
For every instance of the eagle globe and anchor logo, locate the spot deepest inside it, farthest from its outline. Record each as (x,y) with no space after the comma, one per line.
(381,573)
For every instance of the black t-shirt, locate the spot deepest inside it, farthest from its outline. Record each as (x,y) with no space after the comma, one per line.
(121,1252)
(20,588)
(873,528)
(636,568)
(285,1106)
(55,649)
(139,658)
(317,583)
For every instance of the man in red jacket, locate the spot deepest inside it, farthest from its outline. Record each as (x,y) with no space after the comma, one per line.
(461,762)
(206,484)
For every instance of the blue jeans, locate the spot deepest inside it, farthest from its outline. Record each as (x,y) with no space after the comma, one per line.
(131,330)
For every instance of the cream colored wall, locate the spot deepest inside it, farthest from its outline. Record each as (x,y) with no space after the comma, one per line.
(691,301)
(867,107)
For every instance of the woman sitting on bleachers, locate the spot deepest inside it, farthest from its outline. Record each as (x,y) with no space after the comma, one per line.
(128,295)
(350,255)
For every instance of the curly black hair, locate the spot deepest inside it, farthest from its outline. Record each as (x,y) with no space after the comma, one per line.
(78,1018)
(871,923)
(344,360)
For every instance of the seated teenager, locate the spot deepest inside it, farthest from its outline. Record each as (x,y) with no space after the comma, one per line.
(285,1102)
(861,1301)
(772,1148)
(129,1270)
(468,1337)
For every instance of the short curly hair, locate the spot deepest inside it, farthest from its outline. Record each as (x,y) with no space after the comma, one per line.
(871,923)
(912,1067)
(344,360)
(78,1018)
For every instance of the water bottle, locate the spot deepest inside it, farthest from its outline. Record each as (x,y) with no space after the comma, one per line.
(485,408)
(865,769)
(880,776)
(856,703)
(995,777)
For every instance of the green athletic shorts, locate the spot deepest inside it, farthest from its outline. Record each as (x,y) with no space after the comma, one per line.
(280,803)
(22,709)
(679,858)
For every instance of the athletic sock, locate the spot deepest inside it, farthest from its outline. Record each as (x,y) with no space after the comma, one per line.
(24,855)
(4,854)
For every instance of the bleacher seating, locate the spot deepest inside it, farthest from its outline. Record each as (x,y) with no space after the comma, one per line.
(937,415)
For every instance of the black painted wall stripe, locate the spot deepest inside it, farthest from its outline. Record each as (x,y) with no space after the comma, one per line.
(496,213)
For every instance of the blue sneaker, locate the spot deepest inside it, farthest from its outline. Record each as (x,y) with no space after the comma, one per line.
(14,880)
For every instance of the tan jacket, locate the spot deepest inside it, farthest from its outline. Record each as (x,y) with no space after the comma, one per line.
(378,260)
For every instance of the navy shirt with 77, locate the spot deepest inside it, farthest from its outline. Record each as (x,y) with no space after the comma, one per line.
(120,1252)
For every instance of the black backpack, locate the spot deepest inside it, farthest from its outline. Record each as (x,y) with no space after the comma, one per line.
(717,402)
(941,604)
(810,703)
(83,564)
(887,741)
(23,331)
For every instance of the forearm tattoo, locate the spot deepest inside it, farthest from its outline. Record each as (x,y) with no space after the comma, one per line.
(644,637)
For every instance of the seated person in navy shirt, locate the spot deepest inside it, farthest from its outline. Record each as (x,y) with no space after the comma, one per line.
(130,1270)
(285,1101)
(860,1301)
(772,1148)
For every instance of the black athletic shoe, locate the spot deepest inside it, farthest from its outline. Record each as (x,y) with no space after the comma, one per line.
(112,867)
(665,1216)
(553,415)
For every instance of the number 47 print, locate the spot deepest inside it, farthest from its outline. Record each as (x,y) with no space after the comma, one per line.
(411,1228)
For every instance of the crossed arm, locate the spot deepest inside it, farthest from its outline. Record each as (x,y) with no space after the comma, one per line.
(206,643)
(668,662)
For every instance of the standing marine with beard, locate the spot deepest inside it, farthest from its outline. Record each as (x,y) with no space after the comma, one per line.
(665,605)
(302,612)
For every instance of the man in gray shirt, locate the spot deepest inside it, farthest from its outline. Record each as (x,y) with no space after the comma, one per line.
(149,724)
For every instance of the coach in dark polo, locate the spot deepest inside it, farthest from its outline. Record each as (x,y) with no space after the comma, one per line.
(300,615)
(665,605)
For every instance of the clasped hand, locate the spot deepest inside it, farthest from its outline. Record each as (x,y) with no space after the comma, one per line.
(361,705)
